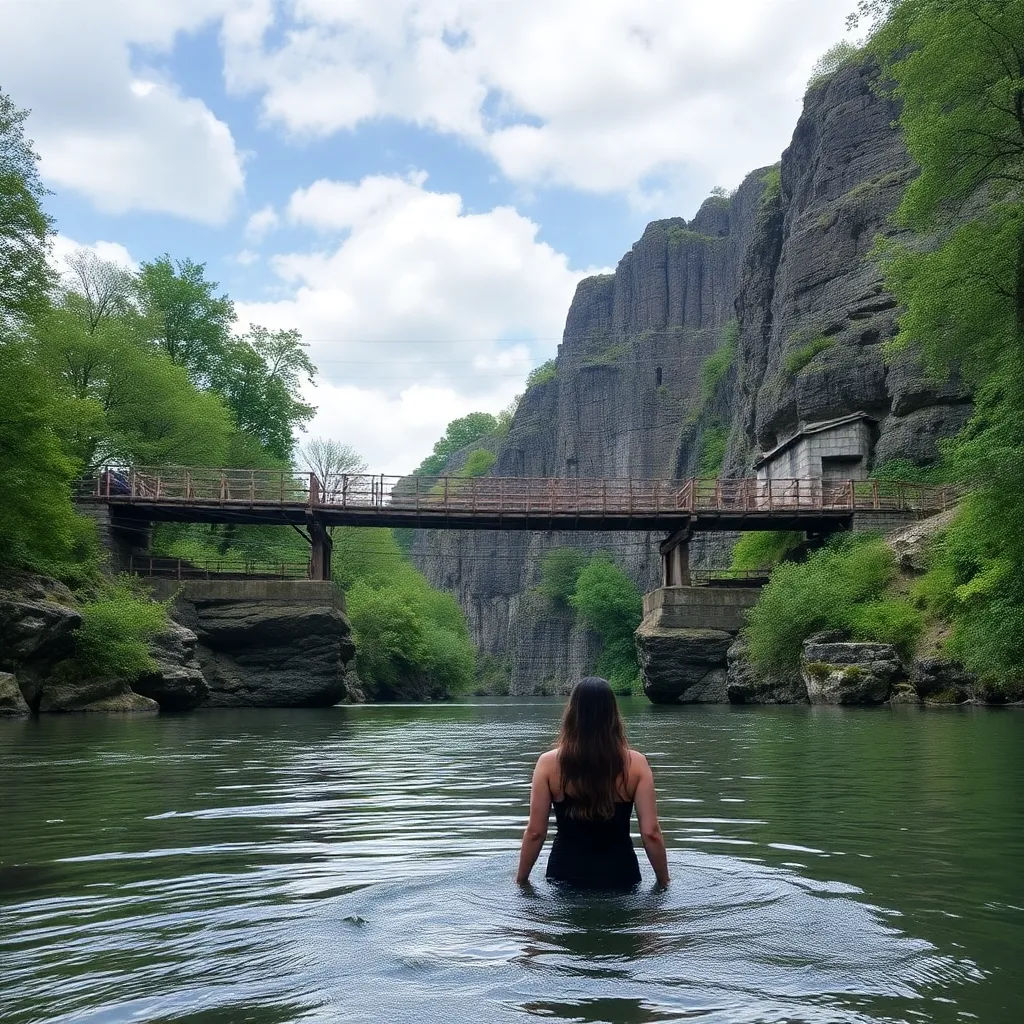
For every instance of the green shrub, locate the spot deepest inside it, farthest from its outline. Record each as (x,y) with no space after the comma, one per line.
(714,369)
(887,621)
(764,549)
(608,602)
(559,572)
(117,625)
(493,676)
(412,641)
(903,470)
(479,463)
(834,58)
(678,236)
(800,357)
(978,587)
(842,586)
(772,179)
(712,450)
(541,374)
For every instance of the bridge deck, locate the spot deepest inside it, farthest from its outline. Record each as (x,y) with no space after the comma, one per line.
(570,503)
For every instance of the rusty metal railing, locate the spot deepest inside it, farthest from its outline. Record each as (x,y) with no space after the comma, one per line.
(162,567)
(511,495)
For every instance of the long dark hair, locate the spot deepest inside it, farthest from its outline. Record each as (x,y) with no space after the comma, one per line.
(593,754)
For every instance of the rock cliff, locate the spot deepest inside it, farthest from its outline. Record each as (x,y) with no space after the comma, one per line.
(787,257)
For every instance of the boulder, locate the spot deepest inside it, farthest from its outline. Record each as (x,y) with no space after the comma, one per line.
(843,672)
(12,703)
(65,689)
(176,682)
(37,632)
(262,653)
(683,666)
(37,629)
(747,685)
(910,545)
(942,681)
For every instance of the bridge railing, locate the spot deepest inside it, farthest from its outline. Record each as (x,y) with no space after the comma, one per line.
(168,568)
(512,495)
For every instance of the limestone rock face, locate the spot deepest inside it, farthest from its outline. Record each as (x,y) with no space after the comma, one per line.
(12,703)
(793,268)
(683,666)
(747,685)
(176,683)
(261,651)
(840,672)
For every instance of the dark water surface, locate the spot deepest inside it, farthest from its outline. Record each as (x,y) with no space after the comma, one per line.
(356,865)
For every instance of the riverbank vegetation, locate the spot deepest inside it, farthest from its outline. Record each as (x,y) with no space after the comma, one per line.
(105,364)
(959,278)
(605,600)
(847,586)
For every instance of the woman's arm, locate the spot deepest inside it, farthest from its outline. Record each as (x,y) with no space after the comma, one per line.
(647,815)
(537,827)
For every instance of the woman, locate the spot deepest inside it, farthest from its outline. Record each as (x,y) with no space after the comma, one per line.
(593,779)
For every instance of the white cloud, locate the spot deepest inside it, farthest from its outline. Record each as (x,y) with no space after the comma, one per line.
(394,433)
(597,96)
(260,224)
(410,306)
(116,132)
(112,252)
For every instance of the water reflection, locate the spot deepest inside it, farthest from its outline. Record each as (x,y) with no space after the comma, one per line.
(356,865)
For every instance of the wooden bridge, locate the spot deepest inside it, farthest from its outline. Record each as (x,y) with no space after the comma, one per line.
(674,507)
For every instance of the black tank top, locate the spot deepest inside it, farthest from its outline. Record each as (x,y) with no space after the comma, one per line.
(594,854)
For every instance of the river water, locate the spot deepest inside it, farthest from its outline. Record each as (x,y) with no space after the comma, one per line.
(355,864)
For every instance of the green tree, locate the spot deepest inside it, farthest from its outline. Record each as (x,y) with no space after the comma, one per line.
(260,377)
(957,67)
(37,523)
(25,274)
(457,435)
(186,318)
(609,603)
(559,573)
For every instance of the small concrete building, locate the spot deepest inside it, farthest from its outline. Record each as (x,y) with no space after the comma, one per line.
(827,451)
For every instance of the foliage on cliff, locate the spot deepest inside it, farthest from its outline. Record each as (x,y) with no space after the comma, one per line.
(957,68)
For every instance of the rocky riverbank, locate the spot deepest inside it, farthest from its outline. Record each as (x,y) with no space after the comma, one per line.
(692,651)
(231,644)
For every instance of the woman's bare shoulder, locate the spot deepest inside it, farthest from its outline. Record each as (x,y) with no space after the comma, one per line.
(637,762)
(548,759)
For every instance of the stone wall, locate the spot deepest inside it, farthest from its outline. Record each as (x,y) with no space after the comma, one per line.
(720,608)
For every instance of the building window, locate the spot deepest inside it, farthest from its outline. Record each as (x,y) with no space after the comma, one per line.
(657,376)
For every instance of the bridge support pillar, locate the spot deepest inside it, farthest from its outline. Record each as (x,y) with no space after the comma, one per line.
(675,559)
(321,548)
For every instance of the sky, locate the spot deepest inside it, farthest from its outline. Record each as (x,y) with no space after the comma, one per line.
(416,185)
